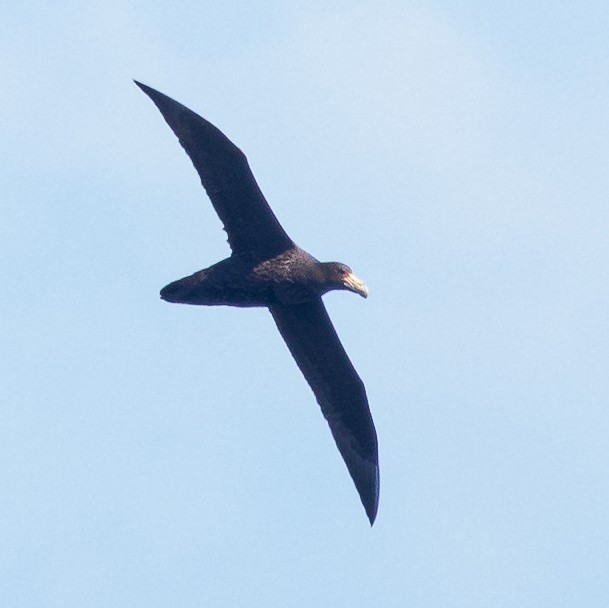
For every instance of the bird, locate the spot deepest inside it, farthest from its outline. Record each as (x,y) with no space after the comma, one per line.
(267,269)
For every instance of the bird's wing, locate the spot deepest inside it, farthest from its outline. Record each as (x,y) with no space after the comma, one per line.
(312,340)
(250,223)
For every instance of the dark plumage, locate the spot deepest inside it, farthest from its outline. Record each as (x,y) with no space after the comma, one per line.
(267,268)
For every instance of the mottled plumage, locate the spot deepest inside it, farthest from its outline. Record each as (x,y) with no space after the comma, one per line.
(268,269)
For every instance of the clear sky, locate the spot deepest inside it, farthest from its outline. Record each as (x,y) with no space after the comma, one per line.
(456,156)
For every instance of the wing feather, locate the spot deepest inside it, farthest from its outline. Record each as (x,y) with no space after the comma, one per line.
(316,348)
(250,224)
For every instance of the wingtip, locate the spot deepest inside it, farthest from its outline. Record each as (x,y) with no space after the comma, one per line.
(371,503)
(371,510)
(143,87)
(152,93)
(168,107)
(371,516)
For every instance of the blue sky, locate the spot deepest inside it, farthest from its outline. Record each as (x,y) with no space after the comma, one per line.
(455,155)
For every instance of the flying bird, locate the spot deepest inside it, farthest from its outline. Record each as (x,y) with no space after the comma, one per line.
(266,268)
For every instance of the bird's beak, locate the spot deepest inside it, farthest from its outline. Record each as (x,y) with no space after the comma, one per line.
(352,283)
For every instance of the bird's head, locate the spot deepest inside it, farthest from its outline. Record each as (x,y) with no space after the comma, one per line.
(342,277)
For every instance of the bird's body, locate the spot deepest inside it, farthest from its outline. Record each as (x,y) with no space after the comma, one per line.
(268,269)
(290,277)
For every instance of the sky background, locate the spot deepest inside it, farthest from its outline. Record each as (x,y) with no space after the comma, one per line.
(456,156)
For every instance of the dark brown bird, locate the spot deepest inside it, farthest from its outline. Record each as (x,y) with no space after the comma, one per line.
(268,269)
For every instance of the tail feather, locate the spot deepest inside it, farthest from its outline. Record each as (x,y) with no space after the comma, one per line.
(184,291)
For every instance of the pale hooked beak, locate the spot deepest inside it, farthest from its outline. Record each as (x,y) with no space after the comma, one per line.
(352,283)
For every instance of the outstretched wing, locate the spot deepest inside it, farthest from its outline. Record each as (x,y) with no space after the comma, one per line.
(250,223)
(312,340)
